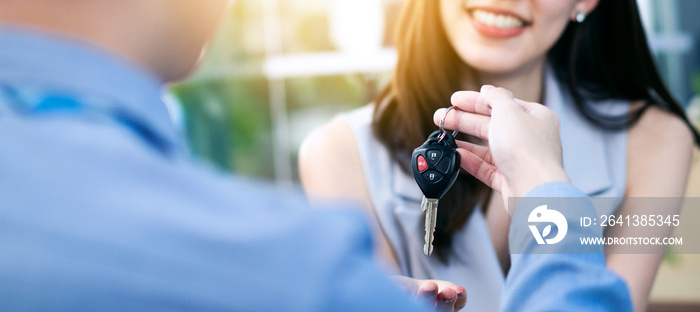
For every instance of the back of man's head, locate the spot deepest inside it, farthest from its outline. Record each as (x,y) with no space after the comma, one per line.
(164,36)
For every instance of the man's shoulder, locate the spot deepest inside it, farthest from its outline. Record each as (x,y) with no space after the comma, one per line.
(106,164)
(104,204)
(88,167)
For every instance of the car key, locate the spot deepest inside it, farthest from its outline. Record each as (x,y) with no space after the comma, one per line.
(436,165)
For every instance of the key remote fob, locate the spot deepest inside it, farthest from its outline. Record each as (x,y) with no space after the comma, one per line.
(436,164)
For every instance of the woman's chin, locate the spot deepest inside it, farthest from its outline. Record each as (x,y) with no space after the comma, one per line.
(501,63)
(494,68)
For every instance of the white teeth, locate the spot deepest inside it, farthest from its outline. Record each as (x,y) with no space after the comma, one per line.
(497,20)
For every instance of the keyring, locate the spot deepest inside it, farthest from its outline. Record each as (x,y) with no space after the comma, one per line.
(442,124)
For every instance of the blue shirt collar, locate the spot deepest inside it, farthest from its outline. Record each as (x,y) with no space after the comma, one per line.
(40,61)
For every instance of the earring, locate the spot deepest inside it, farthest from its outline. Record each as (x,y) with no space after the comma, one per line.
(580,16)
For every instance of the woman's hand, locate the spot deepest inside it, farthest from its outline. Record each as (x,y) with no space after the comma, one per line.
(443,295)
(524,147)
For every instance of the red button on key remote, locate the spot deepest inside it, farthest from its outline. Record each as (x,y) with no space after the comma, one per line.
(422,164)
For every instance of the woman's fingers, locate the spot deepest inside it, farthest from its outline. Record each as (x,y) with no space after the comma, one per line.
(470,123)
(461,298)
(446,300)
(451,297)
(428,292)
(442,295)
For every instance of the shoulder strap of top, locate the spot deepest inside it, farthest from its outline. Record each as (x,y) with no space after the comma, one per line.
(588,149)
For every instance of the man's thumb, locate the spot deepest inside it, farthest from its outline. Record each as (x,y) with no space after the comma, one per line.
(500,99)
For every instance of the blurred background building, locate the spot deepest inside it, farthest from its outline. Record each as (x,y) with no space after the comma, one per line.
(277,69)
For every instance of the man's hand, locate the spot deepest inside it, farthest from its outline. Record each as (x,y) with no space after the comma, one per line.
(524,144)
(444,296)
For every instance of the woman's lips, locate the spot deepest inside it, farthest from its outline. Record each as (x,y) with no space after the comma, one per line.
(496,24)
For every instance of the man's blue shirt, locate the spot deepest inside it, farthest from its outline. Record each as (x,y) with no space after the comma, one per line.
(542,278)
(95,216)
(101,209)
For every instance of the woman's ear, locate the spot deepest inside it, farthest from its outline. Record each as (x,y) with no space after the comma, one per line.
(582,8)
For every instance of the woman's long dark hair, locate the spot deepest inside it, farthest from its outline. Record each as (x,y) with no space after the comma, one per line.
(605,57)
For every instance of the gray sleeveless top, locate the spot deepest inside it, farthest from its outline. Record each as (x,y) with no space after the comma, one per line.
(593,158)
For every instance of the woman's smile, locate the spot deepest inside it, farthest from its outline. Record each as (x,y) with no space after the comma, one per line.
(497,23)
(505,36)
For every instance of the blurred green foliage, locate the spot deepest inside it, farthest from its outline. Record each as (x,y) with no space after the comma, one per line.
(226,105)
(227,123)
(226,115)
(695,82)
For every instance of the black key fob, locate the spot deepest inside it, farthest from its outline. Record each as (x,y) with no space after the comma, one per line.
(436,164)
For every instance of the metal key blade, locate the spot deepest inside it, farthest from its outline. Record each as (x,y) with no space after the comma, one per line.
(429,207)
